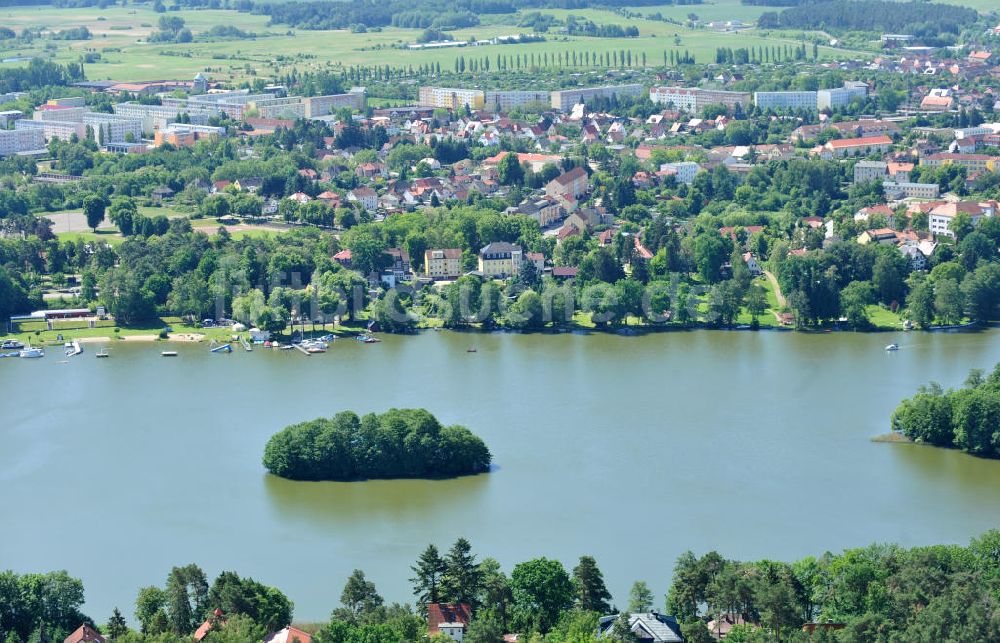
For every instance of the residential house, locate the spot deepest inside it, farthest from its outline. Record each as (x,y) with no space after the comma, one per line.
(251,185)
(881,236)
(646,626)
(400,260)
(941,216)
(572,183)
(564,272)
(371,170)
(752,265)
(289,635)
(449,619)
(215,621)
(365,196)
(343,257)
(538,259)
(443,263)
(500,259)
(683,171)
(84,634)
(865,214)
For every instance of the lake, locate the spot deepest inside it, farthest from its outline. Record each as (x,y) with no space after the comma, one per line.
(631,449)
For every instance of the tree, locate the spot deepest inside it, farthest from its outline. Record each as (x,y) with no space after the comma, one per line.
(640,597)
(756,301)
(93,208)
(123,213)
(427,578)
(360,598)
(949,302)
(920,301)
(854,301)
(710,252)
(186,598)
(148,603)
(495,593)
(621,630)
(461,577)
(116,627)
(542,591)
(889,275)
(509,170)
(591,593)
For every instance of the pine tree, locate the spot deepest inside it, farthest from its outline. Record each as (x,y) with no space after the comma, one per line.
(116,627)
(427,578)
(591,593)
(461,579)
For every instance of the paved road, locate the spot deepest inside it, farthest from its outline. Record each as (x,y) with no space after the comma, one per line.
(74,222)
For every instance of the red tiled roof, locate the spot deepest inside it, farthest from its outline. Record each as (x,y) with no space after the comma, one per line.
(860,142)
(84,634)
(438,613)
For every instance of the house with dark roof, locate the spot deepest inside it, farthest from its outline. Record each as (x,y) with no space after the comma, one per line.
(448,619)
(648,626)
(499,260)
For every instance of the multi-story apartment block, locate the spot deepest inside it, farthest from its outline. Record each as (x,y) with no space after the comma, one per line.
(16,141)
(451,97)
(693,100)
(785,101)
(565,99)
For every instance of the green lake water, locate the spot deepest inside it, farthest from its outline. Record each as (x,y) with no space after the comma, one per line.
(631,449)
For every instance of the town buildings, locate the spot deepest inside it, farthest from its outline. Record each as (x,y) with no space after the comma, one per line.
(786,101)
(499,260)
(694,100)
(565,99)
(451,98)
(443,263)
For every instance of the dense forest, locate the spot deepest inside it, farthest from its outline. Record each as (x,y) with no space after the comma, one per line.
(877,593)
(966,419)
(400,443)
(871,15)
(39,73)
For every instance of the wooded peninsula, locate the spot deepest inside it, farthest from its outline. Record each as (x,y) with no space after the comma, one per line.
(400,443)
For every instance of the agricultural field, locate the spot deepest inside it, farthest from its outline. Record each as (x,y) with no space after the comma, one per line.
(120,36)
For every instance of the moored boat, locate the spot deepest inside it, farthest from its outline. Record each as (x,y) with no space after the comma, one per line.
(892,347)
(30,352)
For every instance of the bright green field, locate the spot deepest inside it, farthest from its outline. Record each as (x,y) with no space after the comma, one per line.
(269,55)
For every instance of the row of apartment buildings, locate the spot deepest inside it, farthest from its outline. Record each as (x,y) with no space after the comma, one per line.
(563,100)
(695,99)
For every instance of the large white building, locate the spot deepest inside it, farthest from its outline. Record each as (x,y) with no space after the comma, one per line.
(156,117)
(16,141)
(785,101)
(866,171)
(451,97)
(565,99)
(112,128)
(54,129)
(695,99)
(316,106)
(503,101)
(685,171)
(842,96)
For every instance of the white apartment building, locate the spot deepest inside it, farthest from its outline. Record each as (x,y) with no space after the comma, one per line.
(503,101)
(451,97)
(54,129)
(865,171)
(695,99)
(316,106)
(685,170)
(842,96)
(565,99)
(785,101)
(906,190)
(156,117)
(16,141)
(112,128)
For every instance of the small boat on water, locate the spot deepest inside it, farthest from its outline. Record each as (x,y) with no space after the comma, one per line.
(892,347)
(11,345)
(367,339)
(471,349)
(103,353)
(73,348)
(168,354)
(30,352)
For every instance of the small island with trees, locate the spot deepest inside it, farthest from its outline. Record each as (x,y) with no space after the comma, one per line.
(966,419)
(400,443)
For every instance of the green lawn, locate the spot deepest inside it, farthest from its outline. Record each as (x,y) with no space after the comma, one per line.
(127,56)
(883,318)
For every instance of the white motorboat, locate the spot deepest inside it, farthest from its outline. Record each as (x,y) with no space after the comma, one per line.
(892,347)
